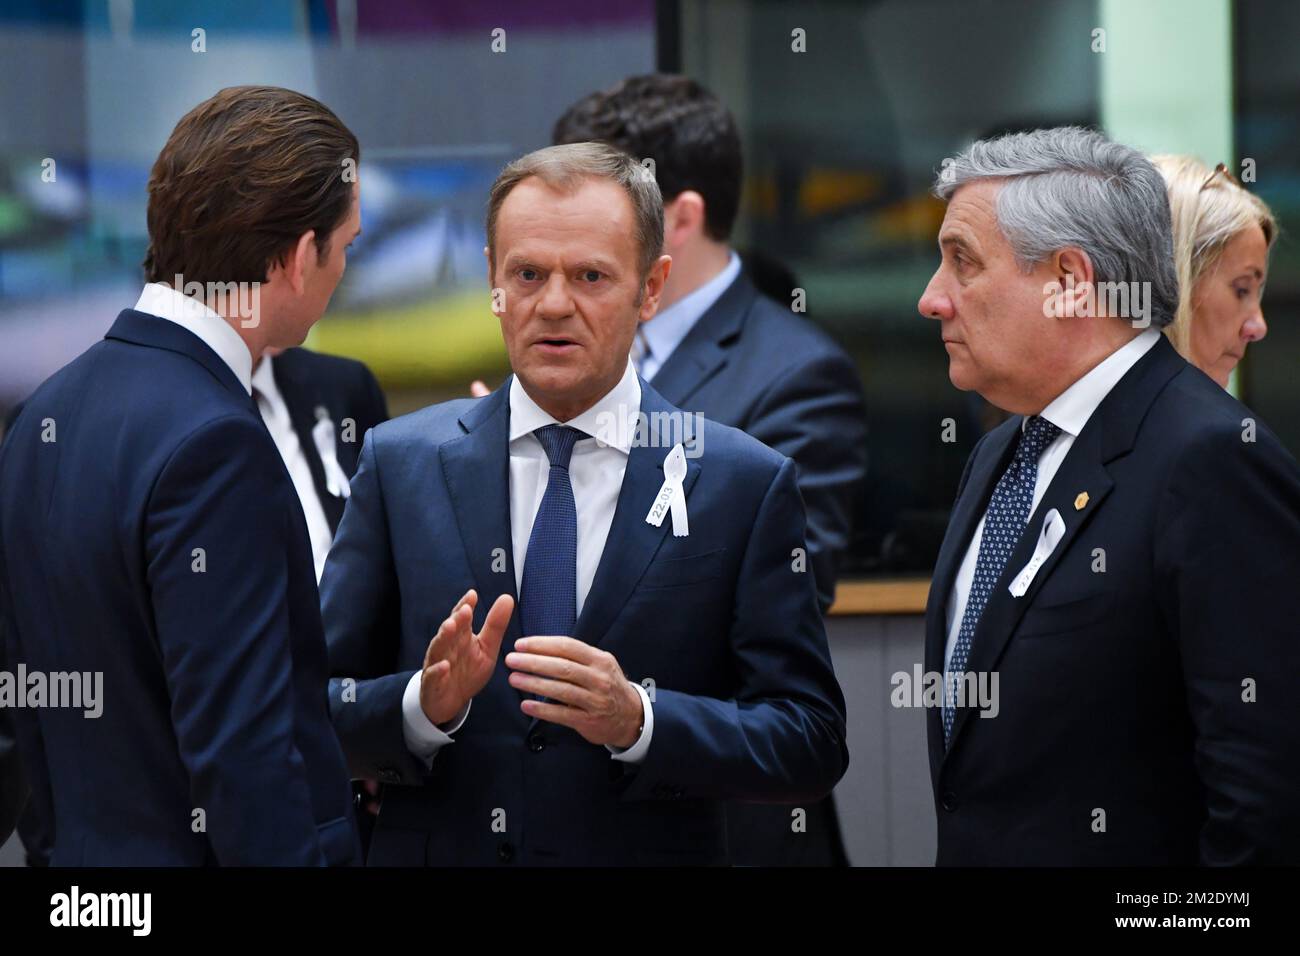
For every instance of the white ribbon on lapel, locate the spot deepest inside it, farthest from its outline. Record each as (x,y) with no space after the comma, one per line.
(672,496)
(322,433)
(1048,538)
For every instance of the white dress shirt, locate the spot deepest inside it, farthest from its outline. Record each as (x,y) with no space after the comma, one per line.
(596,472)
(1069,412)
(662,334)
(276,415)
(162,300)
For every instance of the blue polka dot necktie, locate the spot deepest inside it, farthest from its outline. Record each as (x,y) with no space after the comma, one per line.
(1004,522)
(548,596)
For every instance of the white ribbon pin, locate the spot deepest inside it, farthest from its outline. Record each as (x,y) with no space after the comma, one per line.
(672,496)
(1053,530)
(322,433)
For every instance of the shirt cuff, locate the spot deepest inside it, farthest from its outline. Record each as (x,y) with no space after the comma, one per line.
(636,753)
(423,737)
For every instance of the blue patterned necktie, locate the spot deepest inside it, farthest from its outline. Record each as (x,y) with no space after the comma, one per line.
(548,597)
(1004,522)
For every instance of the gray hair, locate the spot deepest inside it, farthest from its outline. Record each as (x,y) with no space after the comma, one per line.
(1071,186)
(566,167)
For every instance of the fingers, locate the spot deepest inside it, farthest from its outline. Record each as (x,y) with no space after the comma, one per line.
(561,691)
(557,668)
(494,625)
(447,631)
(566,647)
(555,713)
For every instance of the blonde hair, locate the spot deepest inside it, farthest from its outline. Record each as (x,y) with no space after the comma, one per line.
(1208,208)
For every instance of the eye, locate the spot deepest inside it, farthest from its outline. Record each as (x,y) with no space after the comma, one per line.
(527,274)
(591,275)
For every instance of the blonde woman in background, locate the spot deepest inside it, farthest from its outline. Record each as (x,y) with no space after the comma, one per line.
(1222,237)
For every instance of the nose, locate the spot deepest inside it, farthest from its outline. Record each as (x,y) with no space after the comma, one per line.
(555,301)
(934,303)
(1255,328)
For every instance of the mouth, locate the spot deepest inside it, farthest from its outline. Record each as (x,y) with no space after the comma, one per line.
(556,346)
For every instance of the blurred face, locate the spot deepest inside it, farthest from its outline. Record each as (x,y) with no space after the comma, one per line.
(1226,313)
(566,265)
(990,312)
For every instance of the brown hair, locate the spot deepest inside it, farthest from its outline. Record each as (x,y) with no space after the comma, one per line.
(566,167)
(243,176)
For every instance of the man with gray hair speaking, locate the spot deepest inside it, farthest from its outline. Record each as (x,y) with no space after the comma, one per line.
(1119,549)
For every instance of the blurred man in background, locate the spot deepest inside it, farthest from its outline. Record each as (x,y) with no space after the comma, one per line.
(150,538)
(719,347)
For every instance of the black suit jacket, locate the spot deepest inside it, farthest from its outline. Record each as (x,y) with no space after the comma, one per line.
(1126,733)
(754,365)
(342,389)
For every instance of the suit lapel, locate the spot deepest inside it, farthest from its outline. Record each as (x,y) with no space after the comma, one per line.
(986,469)
(704,349)
(476,467)
(1110,433)
(632,541)
(1081,471)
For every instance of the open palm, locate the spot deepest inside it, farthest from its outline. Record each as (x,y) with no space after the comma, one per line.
(458,662)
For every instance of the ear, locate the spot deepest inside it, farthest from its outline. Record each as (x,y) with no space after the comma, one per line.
(1072,269)
(683,217)
(487,257)
(297,262)
(654,288)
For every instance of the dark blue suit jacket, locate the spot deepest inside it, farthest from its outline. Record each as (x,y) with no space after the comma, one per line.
(751,363)
(213,680)
(746,703)
(1121,671)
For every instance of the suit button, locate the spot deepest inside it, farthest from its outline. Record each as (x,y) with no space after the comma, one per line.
(949,801)
(505,853)
(537,743)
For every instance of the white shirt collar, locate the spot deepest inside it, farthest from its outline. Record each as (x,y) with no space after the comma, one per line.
(264,380)
(612,419)
(216,333)
(1071,410)
(665,331)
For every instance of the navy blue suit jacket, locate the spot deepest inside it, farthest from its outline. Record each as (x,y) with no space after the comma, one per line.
(213,680)
(751,363)
(746,705)
(1122,672)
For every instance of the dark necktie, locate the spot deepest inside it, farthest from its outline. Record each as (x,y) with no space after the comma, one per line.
(1004,522)
(548,597)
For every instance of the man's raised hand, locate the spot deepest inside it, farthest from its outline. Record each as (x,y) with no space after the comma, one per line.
(458,662)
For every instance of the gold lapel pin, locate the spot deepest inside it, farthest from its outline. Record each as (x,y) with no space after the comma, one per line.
(1081,501)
